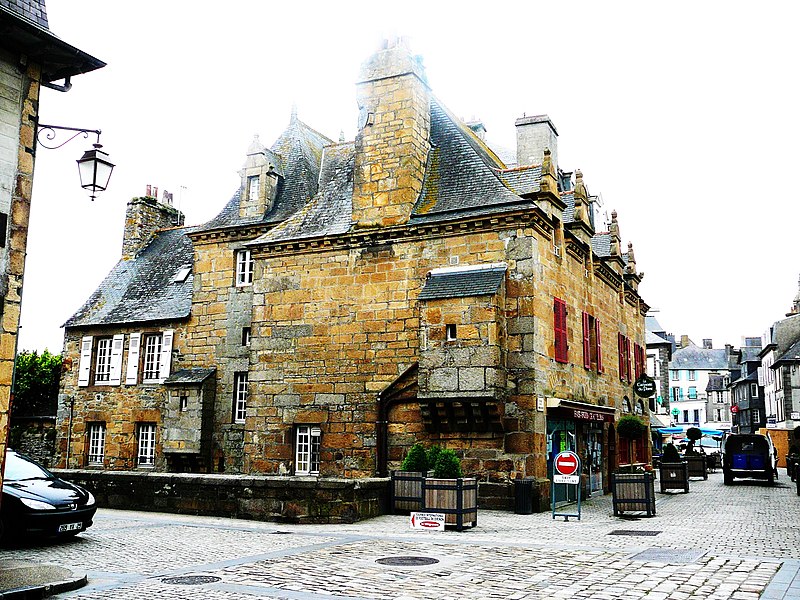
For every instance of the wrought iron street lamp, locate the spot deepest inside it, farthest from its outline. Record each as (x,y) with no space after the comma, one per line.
(94,167)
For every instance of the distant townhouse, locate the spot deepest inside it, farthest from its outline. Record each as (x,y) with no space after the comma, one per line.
(659,347)
(689,372)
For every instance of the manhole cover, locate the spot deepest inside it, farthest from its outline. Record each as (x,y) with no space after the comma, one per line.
(668,555)
(191,579)
(640,532)
(407,561)
(280,532)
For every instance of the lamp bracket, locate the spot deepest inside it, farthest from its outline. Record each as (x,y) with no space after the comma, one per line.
(49,134)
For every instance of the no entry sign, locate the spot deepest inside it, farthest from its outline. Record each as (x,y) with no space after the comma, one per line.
(566,463)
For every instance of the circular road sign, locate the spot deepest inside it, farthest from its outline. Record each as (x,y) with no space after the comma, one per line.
(566,463)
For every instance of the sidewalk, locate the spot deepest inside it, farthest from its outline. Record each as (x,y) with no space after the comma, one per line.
(27,579)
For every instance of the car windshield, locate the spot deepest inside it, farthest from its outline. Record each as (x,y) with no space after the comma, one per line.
(19,468)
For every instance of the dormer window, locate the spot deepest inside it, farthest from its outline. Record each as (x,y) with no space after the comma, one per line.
(181,275)
(253,187)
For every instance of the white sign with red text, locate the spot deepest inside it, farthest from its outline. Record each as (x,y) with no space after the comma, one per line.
(427,521)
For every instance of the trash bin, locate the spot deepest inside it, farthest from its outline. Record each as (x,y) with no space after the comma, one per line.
(523,496)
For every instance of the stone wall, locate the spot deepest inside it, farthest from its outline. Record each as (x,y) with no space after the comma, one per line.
(19,106)
(261,498)
(34,437)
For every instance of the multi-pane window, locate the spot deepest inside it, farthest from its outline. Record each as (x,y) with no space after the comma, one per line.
(624,353)
(239,397)
(692,375)
(244,267)
(102,365)
(560,330)
(692,393)
(754,390)
(253,184)
(307,450)
(152,356)
(97,443)
(756,416)
(146,453)
(674,375)
(696,416)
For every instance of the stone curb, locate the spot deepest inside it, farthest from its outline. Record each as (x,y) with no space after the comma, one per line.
(43,590)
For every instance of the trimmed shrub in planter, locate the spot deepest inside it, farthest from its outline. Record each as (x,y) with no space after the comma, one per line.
(633,492)
(630,428)
(696,464)
(449,493)
(406,484)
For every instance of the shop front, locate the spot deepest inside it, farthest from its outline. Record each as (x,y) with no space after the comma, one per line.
(582,428)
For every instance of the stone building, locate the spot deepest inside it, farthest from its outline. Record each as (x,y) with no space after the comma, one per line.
(355,297)
(30,57)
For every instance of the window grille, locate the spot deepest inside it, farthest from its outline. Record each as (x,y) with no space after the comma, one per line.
(244,268)
(97,443)
(102,367)
(307,450)
(146,455)
(152,356)
(240,385)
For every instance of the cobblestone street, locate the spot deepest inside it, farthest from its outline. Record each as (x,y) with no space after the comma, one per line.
(716,542)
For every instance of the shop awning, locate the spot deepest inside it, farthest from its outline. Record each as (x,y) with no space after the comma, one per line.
(678,430)
(580,411)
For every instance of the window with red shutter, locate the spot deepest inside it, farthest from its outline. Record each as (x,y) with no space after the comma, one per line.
(587,345)
(621,355)
(627,359)
(560,330)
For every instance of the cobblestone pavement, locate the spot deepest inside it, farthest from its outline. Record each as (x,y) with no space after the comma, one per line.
(717,542)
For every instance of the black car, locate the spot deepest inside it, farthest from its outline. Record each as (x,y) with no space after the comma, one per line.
(36,502)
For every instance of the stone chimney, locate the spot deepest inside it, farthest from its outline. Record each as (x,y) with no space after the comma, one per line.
(393,136)
(685,341)
(534,134)
(143,217)
(478,128)
(708,344)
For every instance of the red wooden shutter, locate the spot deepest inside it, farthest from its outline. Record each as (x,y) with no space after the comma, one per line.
(599,345)
(621,355)
(560,330)
(587,342)
(627,359)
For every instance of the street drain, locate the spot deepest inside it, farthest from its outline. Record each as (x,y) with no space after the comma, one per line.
(191,580)
(668,555)
(640,532)
(407,561)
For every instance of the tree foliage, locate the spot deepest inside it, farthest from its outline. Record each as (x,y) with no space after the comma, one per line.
(36,380)
(416,459)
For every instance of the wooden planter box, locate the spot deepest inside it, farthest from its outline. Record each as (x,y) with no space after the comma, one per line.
(406,491)
(696,464)
(633,492)
(674,476)
(456,498)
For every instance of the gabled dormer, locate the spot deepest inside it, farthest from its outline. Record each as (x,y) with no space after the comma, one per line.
(261,176)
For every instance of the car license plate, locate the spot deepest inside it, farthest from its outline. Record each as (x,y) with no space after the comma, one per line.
(69,527)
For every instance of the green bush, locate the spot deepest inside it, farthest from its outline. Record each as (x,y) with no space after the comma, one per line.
(416,459)
(631,427)
(433,455)
(670,454)
(448,465)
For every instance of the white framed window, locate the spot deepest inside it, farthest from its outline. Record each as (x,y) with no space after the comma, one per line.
(97,443)
(692,375)
(239,397)
(253,187)
(754,390)
(152,357)
(146,452)
(102,364)
(306,457)
(674,375)
(756,416)
(244,268)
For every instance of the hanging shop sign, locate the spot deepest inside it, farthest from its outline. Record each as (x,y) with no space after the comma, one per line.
(645,386)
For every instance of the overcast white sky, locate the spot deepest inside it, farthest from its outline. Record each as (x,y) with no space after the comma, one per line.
(682,115)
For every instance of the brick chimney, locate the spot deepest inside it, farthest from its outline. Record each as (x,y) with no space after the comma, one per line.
(143,217)
(393,136)
(534,134)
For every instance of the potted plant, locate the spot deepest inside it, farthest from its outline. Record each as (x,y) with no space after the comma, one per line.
(695,461)
(449,492)
(673,472)
(631,428)
(406,484)
(634,490)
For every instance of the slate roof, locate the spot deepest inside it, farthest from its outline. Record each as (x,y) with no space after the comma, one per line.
(330,212)
(716,383)
(190,376)
(694,357)
(142,289)
(653,339)
(33,10)
(463,283)
(792,355)
(299,150)
(601,244)
(750,353)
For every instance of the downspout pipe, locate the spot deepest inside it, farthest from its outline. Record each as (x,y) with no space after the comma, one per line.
(65,87)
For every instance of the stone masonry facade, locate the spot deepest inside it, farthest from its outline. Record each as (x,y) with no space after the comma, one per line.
(407,287)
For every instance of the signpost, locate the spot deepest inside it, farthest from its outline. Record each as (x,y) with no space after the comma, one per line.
(645,386)
(566,471)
